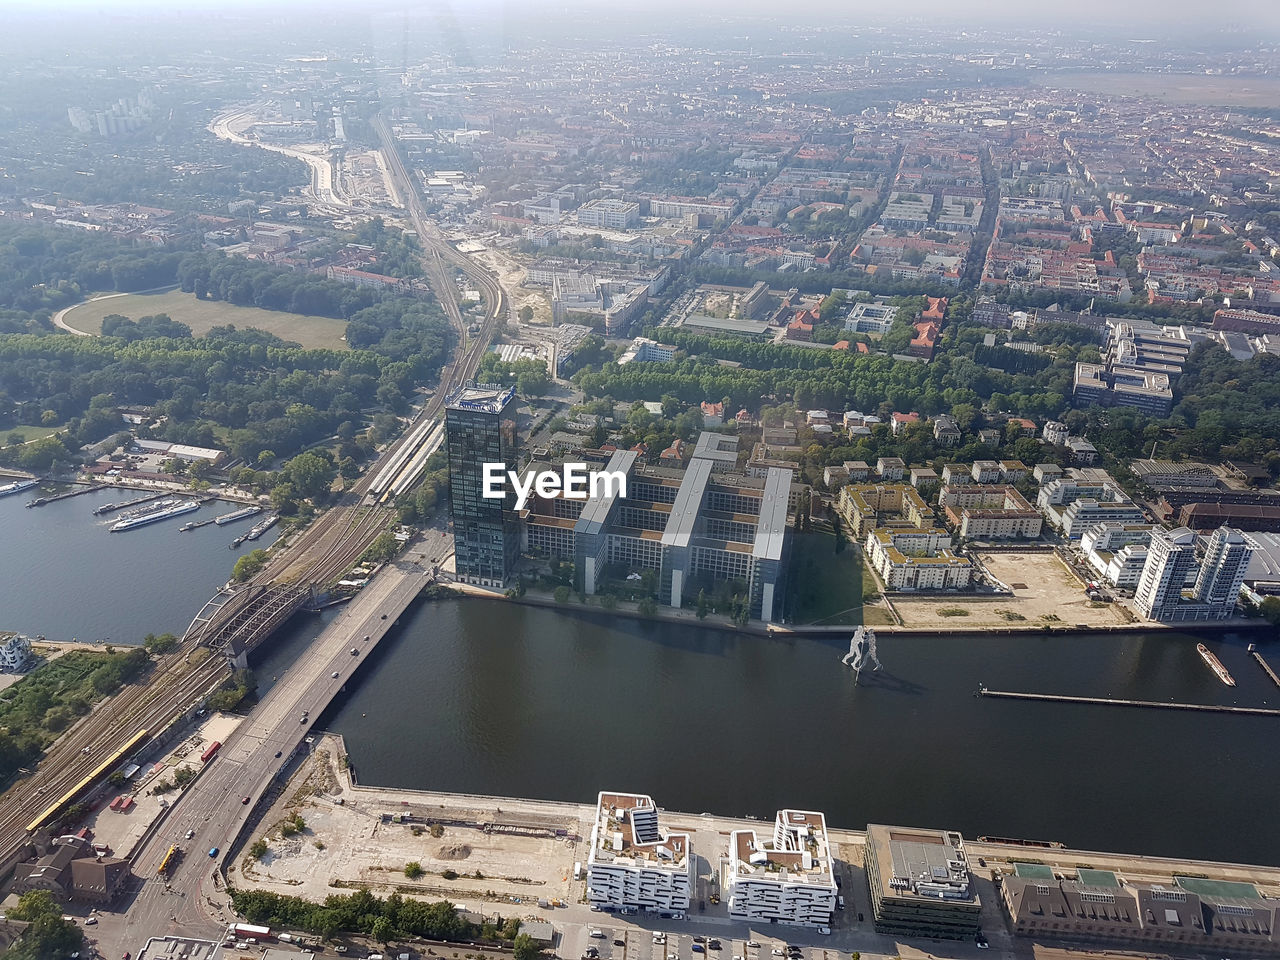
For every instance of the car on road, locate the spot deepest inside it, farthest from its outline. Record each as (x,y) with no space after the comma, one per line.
(334,675)
(278,754)
(190,834)
(824,931)
(213,852)
(90,921)
(244,799)
(598,934)
(355,652)
(753,943)
(366,636)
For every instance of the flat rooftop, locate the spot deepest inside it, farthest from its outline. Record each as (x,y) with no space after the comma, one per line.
(797,852)
(482,398)
(918,863)
(627,830)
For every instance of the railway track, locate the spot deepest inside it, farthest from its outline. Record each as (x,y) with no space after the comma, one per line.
(320,554)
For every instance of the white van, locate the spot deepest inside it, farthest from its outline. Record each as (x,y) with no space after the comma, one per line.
(598,934)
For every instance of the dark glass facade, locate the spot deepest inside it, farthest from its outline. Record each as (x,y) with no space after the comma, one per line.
(481,428)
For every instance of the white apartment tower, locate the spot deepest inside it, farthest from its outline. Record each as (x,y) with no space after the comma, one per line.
(634,862)
(1170,557)
(1222,571)
(786,879)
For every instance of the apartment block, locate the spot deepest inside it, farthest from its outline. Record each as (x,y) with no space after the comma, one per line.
(910,558)
(609,214)
(989,512)
(864,506)
(634,861)
(786,878)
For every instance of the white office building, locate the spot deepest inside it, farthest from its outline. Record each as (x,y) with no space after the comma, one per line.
(786,878)
(635,862)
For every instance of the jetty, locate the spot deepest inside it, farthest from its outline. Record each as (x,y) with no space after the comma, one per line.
(126,504)
(1265,666)
(41,501)
(1113,702)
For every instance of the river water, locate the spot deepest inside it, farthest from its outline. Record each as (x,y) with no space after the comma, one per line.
(494,698)
(497,698)
(64,575)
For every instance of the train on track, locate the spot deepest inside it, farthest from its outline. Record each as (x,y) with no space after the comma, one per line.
(55,809)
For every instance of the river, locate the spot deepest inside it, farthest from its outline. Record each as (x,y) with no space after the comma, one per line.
(496,698)
(64,575)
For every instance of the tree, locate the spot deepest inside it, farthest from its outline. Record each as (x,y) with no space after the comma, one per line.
(562,594)
(1270,610)
(165,643)
(524,947)
(310,474)
(249,566)
(413,870)
(526,313)
(258,849)
(702,604)
(382,930)
(47,935)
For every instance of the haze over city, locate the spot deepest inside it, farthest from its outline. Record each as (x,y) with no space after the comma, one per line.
(639,481)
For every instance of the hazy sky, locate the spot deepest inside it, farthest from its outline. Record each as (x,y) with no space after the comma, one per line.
(1261,18)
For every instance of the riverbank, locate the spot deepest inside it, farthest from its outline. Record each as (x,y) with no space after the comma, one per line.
(539,598)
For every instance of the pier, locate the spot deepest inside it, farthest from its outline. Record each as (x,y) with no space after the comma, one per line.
(41,501)
(1112,702)
(107,508)
(1266,666)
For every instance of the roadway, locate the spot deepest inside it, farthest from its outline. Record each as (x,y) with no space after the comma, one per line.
(192,903)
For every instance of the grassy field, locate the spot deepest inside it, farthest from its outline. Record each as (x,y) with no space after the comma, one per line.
(203,315)
(1173,87)
(826,587)
(28,433)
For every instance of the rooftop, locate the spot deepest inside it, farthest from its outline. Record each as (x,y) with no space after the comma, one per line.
(627,829)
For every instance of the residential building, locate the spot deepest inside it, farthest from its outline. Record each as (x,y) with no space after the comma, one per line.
(635,862)
(864,506)
(644,350)
(1055,433)
(1170,557)
(924,479)
(945,431)
(15,652)
(910,558)
(1082,451)
(480,428)
(1044,472)
(985,471)
(890,468)
(920,883)
(900,421)
(786,878)
(1222,571)
(987,512)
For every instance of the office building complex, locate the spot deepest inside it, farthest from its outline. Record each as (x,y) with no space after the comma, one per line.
(635,863)
(1141,364)
(920,883)
(1218,917)
(788,878)
(609,214)
(480,424)
(690,527)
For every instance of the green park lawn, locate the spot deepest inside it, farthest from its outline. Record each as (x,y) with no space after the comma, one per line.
(203,315)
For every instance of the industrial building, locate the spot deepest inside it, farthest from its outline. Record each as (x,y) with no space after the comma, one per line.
(920,883)
(786,878)
(634,862)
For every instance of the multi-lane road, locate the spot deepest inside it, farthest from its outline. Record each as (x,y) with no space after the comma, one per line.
(213,807)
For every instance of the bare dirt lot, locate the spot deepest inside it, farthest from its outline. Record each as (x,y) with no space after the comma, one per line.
(356,842)
(1044,593)
(510,277)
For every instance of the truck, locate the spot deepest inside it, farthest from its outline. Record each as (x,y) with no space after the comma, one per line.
(245,931)
(209,754)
